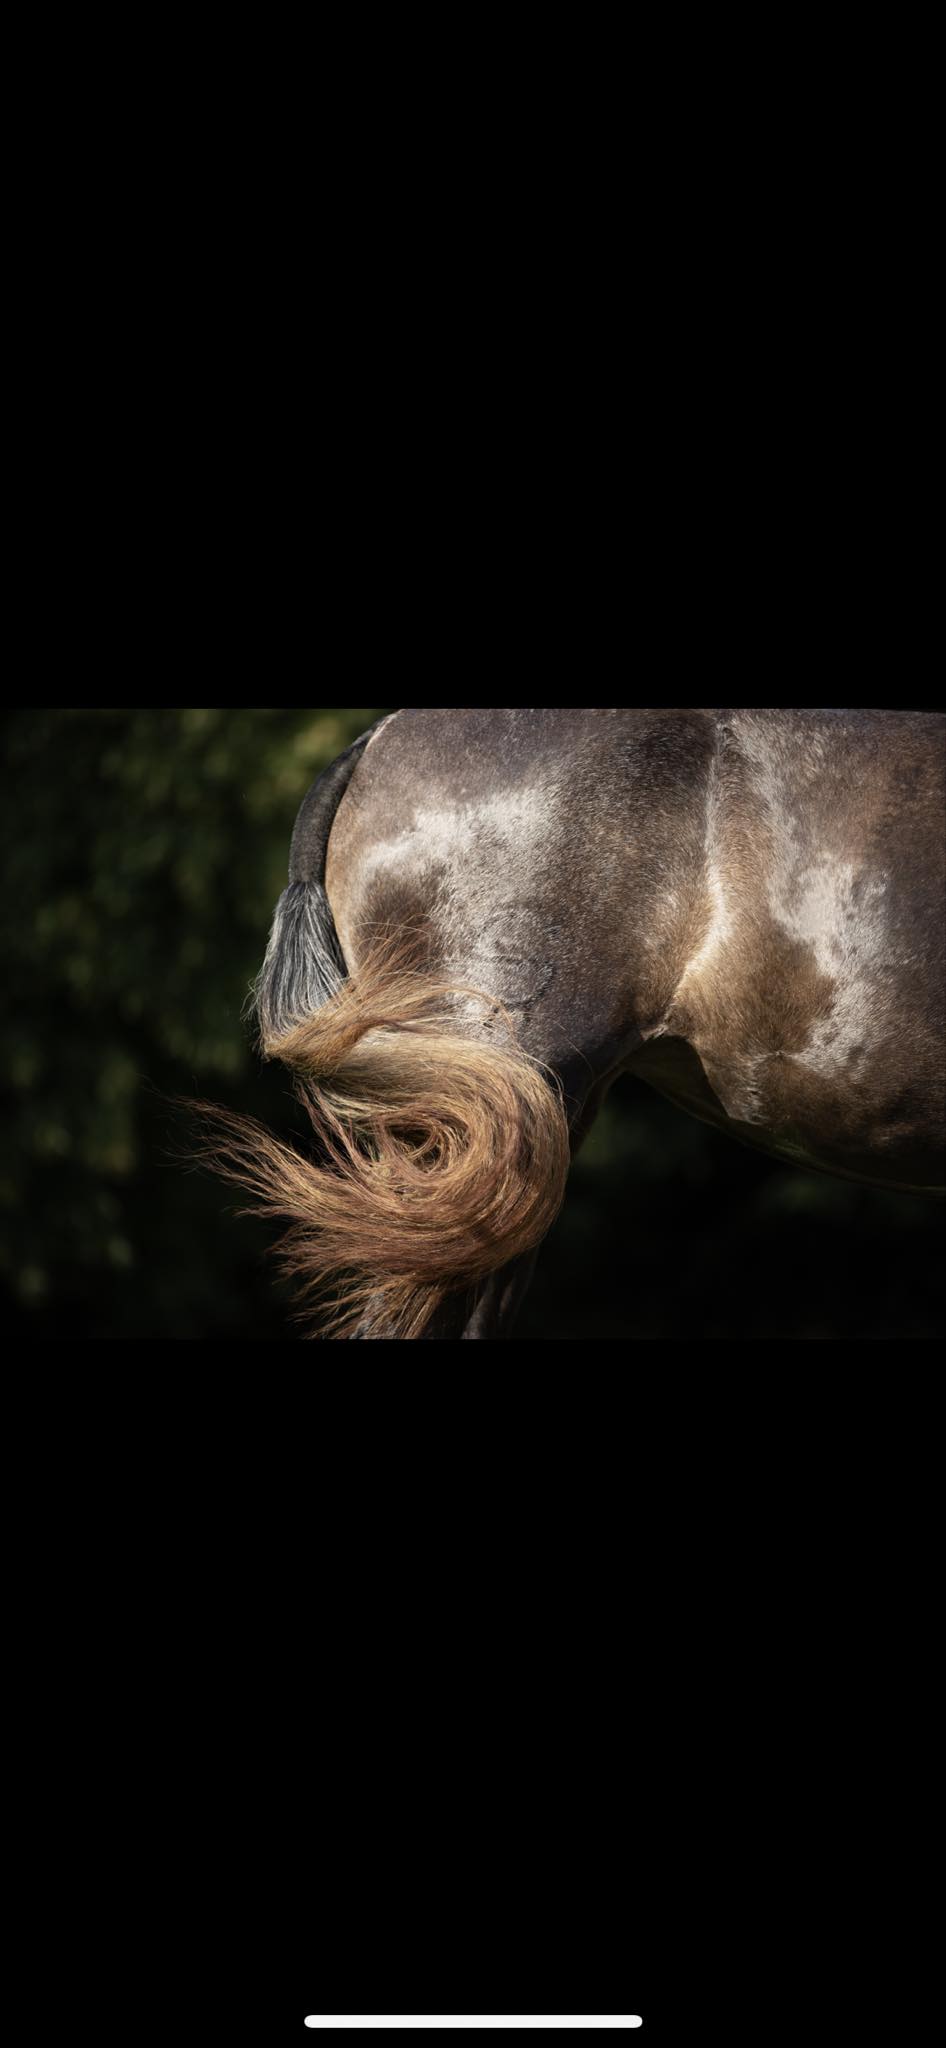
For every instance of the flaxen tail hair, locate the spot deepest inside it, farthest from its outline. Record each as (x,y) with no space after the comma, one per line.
(441,1150)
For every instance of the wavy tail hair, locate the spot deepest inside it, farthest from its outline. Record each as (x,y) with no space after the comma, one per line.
(442,1152)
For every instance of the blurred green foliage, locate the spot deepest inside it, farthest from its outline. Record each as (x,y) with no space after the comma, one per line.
(143,852)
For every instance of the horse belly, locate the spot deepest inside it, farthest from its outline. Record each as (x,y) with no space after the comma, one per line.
(866,1103)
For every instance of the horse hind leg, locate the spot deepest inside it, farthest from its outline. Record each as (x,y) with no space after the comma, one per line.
(490,1310)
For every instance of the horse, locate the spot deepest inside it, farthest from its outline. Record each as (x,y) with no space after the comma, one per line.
(491,914)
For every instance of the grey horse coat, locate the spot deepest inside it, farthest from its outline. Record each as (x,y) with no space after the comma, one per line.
(744,908)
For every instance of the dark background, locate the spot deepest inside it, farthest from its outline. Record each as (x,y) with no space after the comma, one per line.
(143,852)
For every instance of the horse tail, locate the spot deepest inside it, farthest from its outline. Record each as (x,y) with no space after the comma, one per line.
(304,965)
(442,1147)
